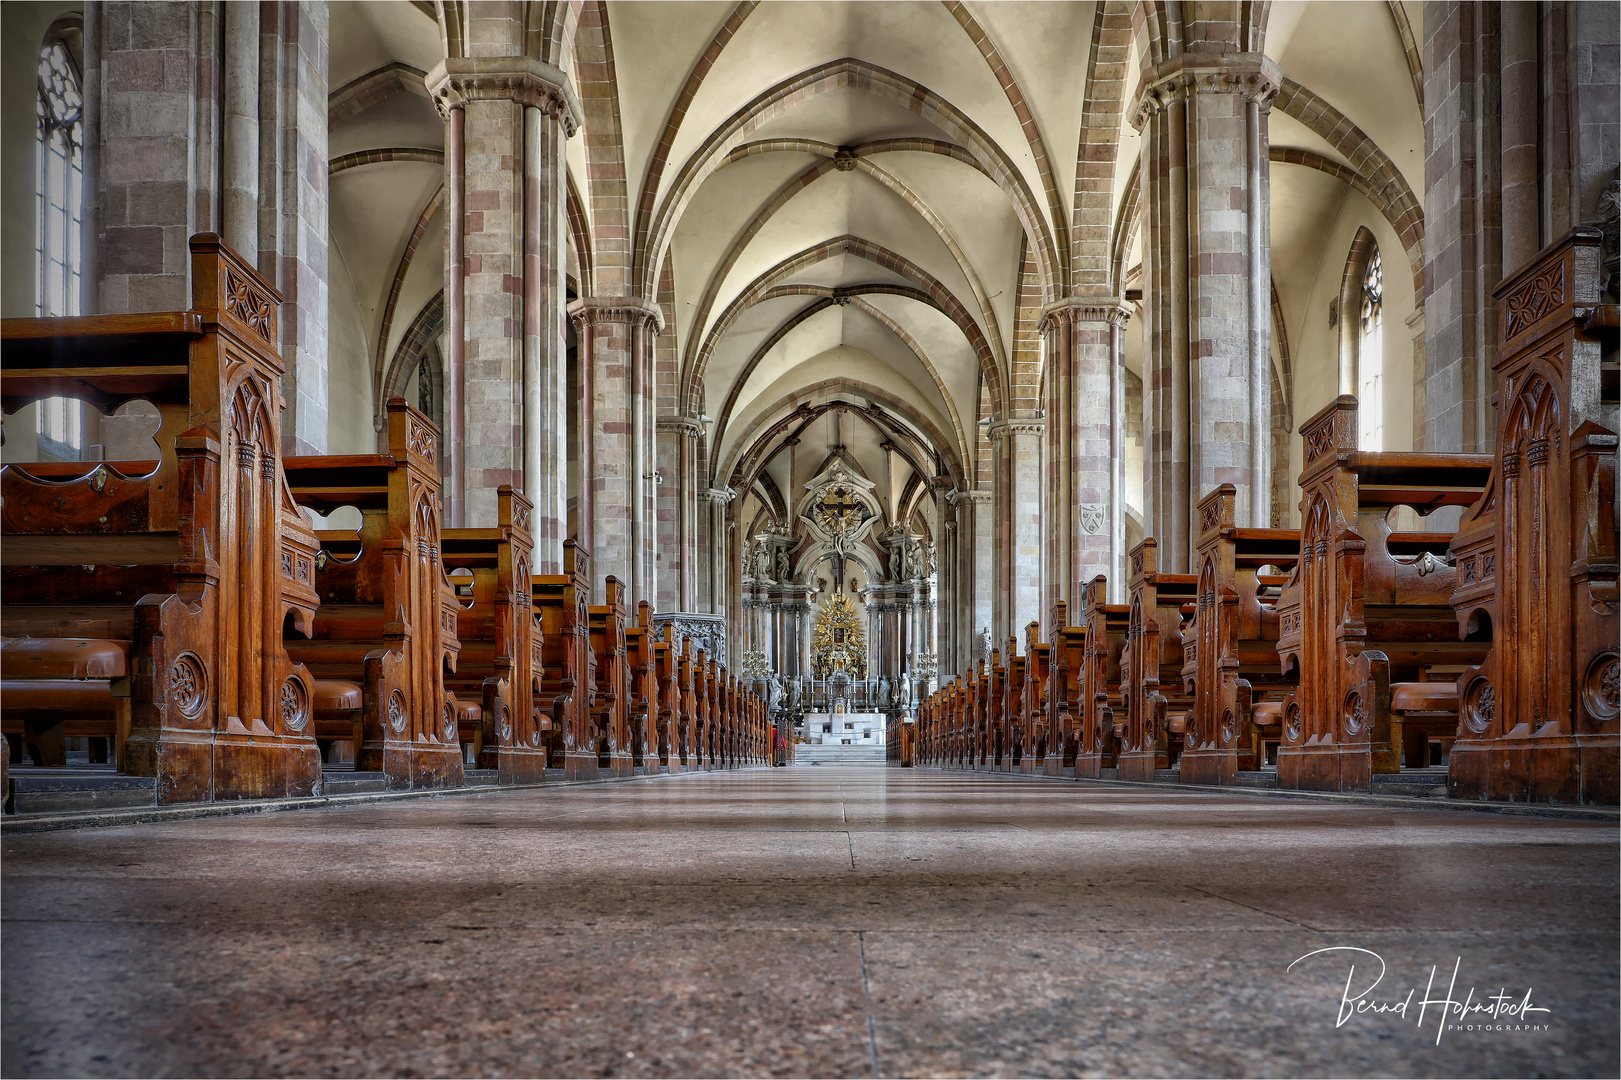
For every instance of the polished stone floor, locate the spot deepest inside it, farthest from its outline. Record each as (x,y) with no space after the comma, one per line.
(812,921)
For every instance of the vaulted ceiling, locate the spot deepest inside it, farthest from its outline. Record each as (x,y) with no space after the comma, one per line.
(863,204)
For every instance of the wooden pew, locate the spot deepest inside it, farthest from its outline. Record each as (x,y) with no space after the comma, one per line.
(568,664)
(1064,699)
(1230,646)
(666,674)
(641,651)
(189,565)
(388,613)
(1151,665)
(703,717)
(1105,627)
(1537,554)
(1366,609)
(1016,739)
(688,668)
(1037,673)
(993,691)
(610,731)
(498,667)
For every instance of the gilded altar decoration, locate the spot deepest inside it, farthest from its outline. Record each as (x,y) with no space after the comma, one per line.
(838,640)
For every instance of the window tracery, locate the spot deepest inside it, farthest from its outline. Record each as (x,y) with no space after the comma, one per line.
(59,196)
(1370,357)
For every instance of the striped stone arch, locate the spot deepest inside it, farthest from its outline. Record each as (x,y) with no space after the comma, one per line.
(597,82)
(1091,263)
(1027,122)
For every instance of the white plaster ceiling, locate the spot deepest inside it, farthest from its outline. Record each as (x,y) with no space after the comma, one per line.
(365,35)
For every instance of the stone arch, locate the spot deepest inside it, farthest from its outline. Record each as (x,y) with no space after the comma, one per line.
(345,162)
(1091,264)
(418,340)
(848,73)
(597,81)
(672,126)
(435,201)
(833,158)
(939,295)
(1027,121)
(1386,187)
(753,437)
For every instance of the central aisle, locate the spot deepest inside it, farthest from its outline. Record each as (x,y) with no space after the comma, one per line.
(801,921)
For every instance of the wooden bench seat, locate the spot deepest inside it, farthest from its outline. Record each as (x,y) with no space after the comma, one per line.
(496,679)
(197,559)
(1229,643)
(1151,665)
(387,619)
(567,666)
(1064,698)
(1106,626)
(1366,606)
(1537,555)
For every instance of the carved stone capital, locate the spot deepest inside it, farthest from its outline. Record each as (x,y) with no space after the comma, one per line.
(689,426)
(977,497)
(1251,75)
(457,80)
(629,310)
(1002,429)
(719,496)
(1089,309)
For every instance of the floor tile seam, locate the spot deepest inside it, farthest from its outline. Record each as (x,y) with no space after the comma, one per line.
(1596,813)
(113,817)
(822,930)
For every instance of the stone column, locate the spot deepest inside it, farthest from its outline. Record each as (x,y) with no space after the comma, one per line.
(715,535)
(240,213)
(1017,515)
(516,116)
(293,200)
(978,572)
(677,511)
(1085,498)
(1462,224)
(1206,282)
(155,83)
(617,332)
(155,80)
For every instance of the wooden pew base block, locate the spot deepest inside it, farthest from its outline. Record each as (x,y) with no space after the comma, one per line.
(1137,765)
(1557,769)
(1088,766)
(199,766)
(580,765)
(1322,767)
(1215,767)
(520,765)
(420,766)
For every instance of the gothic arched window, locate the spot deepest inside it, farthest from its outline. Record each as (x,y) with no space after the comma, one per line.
(59,194)
(1371,358)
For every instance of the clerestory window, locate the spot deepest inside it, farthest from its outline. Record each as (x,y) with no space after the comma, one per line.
(59,193)
(1371,358)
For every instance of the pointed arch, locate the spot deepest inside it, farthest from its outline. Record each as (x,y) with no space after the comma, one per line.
(847,73)
(939,296)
